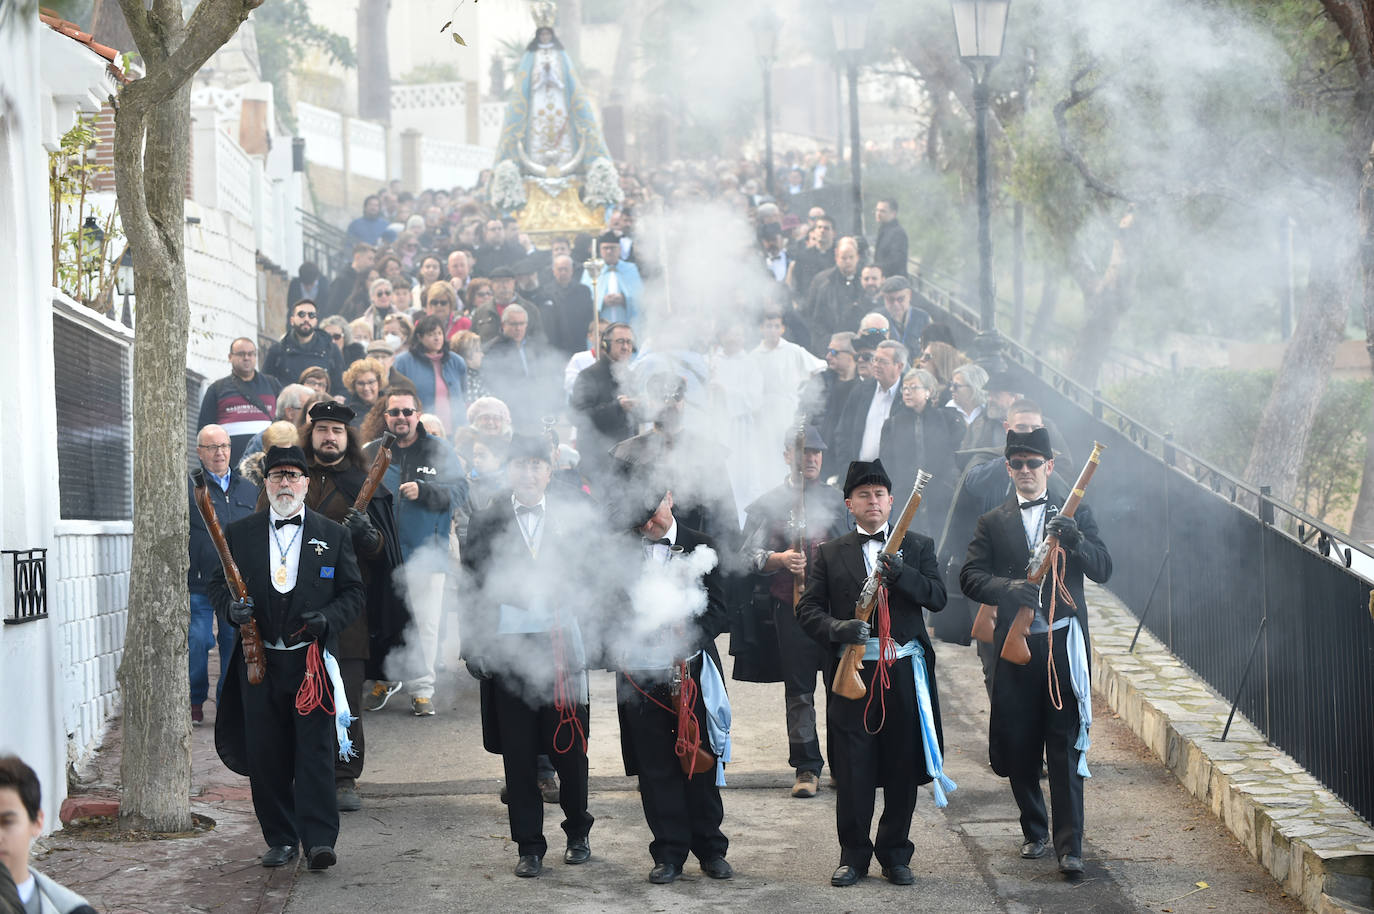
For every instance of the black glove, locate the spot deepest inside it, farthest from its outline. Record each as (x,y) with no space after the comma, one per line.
(1024,593)
(1065,529)
(476,669)
(241,611)
(315,625)
(890,567)
(365,536)
(850,631)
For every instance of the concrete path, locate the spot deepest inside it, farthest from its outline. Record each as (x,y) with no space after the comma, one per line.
(433,835)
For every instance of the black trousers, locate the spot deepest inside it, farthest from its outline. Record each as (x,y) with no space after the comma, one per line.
(290,766)
(684,814)
(526,733)
(1025,727)
(893,758)
(353,673)
(803,658)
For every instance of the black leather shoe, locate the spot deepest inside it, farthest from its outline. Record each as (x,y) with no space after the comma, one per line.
(846,875)
(322,858)
(529,865)
(718,868)
(279,856)
(664,873)
(1034,850)
(899,874)
(579,851)
(1070,865)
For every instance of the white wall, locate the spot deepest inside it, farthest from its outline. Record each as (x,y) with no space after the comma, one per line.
(30,714)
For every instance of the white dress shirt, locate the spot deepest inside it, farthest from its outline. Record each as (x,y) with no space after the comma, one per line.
(1033,520)
(871,548)
(659,551)
(878,409)
(531,525)
(289,539)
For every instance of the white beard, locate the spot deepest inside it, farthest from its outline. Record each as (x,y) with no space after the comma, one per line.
(287,503)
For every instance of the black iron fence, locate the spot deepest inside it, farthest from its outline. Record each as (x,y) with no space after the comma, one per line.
(328,247)
(1256,597)
(30,579)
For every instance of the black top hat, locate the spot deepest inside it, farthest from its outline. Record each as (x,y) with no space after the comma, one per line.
(1035,441)
(332,411)
(866,473)
(284,457)
(530,447)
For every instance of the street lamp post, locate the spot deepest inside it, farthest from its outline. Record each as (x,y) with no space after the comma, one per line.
(849,18)
(980,27)
(765,27)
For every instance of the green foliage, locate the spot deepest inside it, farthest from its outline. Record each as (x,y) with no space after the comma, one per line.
(1214,413)
(82,267)
(286,33)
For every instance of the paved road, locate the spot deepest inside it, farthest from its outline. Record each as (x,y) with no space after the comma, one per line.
(433,836)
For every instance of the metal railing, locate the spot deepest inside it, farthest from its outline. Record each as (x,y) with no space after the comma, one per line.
(30,585)
(1260,599)
(325,244)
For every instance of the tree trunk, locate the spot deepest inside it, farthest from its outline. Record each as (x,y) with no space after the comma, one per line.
(1106,300)
(1362,520)
(374,62)
(1044,315)
(1281,440)
(154,114)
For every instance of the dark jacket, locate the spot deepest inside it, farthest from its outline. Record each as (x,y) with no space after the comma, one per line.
(290,357)
(849,427)
(321,298)
(238,502)
(890,249)
(431,463)
(601,423)
(532,389)
(242,408)
(327,581)
(833,304)
(922,441)
(834,580)
(486,320)
(565,312)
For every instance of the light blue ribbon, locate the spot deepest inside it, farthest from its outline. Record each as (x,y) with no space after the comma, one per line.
(717,704)
(1082,690)
(925,716)
(343,717)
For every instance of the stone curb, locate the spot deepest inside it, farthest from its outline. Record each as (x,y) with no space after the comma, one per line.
(1318,849)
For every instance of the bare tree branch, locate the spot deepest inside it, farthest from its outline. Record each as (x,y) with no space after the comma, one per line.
(1076,97)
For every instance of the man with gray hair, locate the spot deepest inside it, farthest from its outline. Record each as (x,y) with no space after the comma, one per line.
(859,431)
(833,302)
(565,308)
(520,370)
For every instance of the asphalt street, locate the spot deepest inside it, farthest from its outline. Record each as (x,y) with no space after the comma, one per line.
(433,835)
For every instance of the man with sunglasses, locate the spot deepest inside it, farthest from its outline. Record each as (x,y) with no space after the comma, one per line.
(302,347)
(425,477)
(1032,718)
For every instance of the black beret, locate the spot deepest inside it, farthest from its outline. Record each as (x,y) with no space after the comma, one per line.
(332,411)
(814,441)
(291,456)
(525,267)
(1035,441)
(895,284)
(866,473)
(501,272)
(608,238)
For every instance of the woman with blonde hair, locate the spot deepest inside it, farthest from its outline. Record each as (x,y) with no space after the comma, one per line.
(279,434)
(364,380)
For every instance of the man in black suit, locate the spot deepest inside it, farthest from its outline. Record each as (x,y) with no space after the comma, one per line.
(603,413)
(890,247)
(684,812)
(565,308)
(303,589)
(1030,718)
(859,428)
(895,742)
(523,642)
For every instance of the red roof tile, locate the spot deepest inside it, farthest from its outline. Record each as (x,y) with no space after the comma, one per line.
(72,31)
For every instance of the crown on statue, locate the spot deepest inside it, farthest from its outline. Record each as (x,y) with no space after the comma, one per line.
(545,14)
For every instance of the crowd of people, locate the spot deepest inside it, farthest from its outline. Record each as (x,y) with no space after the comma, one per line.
(551,431)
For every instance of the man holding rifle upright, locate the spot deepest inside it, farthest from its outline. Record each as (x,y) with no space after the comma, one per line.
(1034,716)
(894,741)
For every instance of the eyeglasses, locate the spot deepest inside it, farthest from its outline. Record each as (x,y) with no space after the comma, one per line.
(212,447)
(1029,463)
(382,292)
(280,476)
(873,331)
(336,336)
(840,352)
(304,314)
(958,386)
(244,355)
(864,357)
(483,293)
(912,388)
(393,413)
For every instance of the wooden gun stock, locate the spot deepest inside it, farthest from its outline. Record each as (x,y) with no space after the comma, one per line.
(248,631)
(848,683)
(1014,648)
(799,512)
(380,464)
(985,623)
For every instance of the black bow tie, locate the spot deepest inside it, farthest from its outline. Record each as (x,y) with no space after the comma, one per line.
(1027,505)
(878,537)
(661,541)
(536,510)
(288,520)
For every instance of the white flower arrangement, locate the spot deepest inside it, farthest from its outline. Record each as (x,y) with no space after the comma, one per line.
(507,186)
(602,187)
